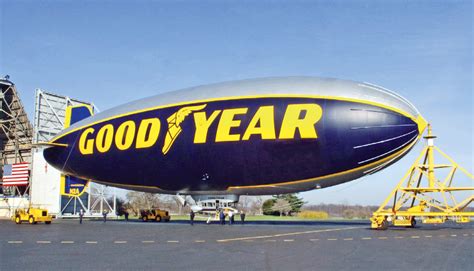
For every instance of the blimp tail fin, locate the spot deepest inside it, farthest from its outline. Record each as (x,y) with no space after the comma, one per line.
(77,113)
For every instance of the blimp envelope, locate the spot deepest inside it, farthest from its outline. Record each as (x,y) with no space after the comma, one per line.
(258,136)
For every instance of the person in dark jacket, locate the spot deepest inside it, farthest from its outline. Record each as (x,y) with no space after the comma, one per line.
(104,214)
(222,217)
(126,216)
(81,214)
(242,217)
(191,217)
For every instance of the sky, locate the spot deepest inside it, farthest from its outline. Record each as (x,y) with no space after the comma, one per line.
(113,52)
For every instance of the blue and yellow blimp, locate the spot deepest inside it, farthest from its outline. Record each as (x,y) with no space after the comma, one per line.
(253,137)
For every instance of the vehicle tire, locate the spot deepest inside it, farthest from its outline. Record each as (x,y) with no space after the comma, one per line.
(17,220)
(167,220)
(47,222)
(31,220)
(413,222)
(158,218)
(144,219)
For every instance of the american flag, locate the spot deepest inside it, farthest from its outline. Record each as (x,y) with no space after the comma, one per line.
(16,174)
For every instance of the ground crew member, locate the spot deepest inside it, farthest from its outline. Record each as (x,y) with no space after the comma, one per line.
(104,214)
(242,217)
(231,217)
(191,217)
(126,216)
(222,217)
(81,214)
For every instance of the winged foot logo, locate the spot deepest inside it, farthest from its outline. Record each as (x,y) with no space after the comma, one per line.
(173,125)
(297,118)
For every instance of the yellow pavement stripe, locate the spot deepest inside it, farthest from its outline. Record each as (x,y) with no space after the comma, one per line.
(383,238)
(172,241)
(199,241)
(286,234)
(332,239)
(247,240)
(43,242)
(415,237)
(15,242)
(67,242)
(269,240)
(91,242)
(398,237)
(348,239)
(148,241)
(366,238)
(313,240)
(120,242)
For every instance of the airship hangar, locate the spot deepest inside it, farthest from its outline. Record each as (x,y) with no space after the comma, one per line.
(39,184)
(255,245)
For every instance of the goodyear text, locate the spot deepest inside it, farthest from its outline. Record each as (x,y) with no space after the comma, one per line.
(297,118)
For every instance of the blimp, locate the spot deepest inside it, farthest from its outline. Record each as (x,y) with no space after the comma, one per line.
(264,136)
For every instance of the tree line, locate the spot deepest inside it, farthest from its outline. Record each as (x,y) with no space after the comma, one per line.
(278,205)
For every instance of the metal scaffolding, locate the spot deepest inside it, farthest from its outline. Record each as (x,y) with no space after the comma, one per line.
(16,132)
(50,111)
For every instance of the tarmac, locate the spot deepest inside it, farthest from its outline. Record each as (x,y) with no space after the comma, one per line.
(325,245)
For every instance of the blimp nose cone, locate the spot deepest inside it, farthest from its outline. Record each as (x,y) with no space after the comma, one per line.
(394,101)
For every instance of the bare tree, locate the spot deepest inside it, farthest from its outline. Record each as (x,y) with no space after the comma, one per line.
(256,206)
(245,203)
(282,206)
(251,204)
(141,200)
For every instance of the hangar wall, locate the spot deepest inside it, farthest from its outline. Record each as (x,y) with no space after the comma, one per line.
(45,184)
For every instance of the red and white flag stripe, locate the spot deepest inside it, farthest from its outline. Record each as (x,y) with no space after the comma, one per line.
(16,176)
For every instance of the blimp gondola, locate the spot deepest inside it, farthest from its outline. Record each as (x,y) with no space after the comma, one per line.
(251,137)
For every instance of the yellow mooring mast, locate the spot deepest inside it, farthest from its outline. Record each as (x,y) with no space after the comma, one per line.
(421,193)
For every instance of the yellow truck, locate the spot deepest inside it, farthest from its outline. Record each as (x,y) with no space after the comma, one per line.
(32,215)
(154,215)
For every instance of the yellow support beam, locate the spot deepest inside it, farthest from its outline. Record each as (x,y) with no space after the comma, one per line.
(423,214)
(435,189)
(421,194)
